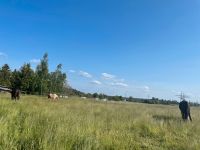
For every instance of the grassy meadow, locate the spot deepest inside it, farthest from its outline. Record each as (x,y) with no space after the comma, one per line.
(35,123)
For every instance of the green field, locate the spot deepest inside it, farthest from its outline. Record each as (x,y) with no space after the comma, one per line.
(35,123)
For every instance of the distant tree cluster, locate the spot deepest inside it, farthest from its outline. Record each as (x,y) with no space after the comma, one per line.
(153,100)
(40,81)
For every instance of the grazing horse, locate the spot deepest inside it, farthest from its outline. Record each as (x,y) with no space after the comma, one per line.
(52,96)
(15,94)
(185,110)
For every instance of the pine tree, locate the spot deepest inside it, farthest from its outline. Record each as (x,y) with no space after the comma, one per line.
(5,76)
(16,81)
(27,78)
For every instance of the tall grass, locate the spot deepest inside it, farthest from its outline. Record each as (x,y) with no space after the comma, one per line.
(34,123)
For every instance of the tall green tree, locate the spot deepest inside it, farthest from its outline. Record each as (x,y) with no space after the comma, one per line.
(16,80)
(27,78)
(42,75)
(57,80)
(5,75)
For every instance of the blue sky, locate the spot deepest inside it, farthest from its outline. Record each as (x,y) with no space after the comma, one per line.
(140,48)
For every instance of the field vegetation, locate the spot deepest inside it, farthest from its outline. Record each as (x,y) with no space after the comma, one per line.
(35,123)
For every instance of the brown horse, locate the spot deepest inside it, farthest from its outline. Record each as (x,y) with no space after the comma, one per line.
(15,94)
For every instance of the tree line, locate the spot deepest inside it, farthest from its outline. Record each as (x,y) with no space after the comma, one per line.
(152,100)
(39,81)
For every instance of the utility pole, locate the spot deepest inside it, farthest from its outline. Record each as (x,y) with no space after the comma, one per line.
(182,96)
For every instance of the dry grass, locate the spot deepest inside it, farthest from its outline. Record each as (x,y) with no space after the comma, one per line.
(35,123)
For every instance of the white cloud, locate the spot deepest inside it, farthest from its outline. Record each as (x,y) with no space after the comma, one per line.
(85,74)
(72,71)
(2,54)
(108,76)
(146,88)
(115,81)
(96,82)
(35,61)
(119,84)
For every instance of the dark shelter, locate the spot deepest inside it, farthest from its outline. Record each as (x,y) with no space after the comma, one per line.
(185,110)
